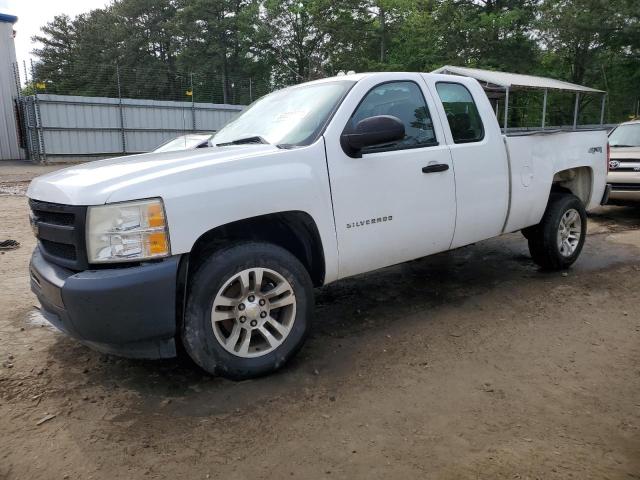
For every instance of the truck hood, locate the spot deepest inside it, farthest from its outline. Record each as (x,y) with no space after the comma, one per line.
(94,182)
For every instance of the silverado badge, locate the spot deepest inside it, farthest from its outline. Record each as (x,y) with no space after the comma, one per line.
(369,221)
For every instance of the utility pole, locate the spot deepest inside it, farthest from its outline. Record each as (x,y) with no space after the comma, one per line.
(383,32)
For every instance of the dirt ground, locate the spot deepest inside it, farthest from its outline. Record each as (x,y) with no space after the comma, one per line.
(467,365)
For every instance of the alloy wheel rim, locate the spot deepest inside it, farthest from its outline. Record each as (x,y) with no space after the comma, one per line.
(569,232)
(253,312)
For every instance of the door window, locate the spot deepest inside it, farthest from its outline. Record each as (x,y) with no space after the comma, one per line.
(462,113)
(405,101)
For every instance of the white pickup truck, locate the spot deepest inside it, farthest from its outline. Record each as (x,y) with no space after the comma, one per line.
(220,248)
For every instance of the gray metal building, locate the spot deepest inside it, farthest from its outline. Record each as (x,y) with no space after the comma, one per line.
(9,146)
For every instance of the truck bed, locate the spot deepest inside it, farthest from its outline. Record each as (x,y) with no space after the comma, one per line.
(534,158)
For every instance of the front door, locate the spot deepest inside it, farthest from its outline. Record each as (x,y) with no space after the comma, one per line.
(396,202)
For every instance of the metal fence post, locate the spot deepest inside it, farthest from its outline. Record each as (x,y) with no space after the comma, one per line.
(506,109)
(575,111)
(193,107)
(32,133)
(16,77)
(604,101)
(224,89)
(19,116)
(26,77)
(544,108)
(42,153)
(27,104)
(121,112)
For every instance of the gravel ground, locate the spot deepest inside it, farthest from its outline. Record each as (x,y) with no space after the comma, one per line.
(470,364)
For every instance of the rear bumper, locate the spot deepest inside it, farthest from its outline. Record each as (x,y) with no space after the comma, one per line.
(129,311)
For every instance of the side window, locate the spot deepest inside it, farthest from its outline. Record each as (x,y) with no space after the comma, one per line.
(405,101)
(462,113)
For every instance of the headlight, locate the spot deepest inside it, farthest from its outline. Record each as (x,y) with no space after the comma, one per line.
(125,232)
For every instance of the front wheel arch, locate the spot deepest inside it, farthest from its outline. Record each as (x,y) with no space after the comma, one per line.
(295,231)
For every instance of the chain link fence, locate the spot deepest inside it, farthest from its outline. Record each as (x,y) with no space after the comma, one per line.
(98,111)
(153,82)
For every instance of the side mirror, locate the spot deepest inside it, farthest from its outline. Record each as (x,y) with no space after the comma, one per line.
(372,131)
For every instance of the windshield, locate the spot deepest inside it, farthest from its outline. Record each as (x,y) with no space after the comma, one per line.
(184,142)
(626,136)
(293,116)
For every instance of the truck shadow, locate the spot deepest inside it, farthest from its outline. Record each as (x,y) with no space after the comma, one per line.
(613,218)
(349,314)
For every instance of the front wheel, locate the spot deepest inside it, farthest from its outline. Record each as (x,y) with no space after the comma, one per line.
(556,242)
(248,310)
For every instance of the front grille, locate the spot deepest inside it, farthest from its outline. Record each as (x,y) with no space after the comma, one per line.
(56,218)
(625,165)
(60,233)
(60,250)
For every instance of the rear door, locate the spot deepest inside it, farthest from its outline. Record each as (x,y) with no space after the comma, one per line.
(387,210)
(479,157)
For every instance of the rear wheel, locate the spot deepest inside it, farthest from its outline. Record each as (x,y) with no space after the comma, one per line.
(248,310)
(556,242)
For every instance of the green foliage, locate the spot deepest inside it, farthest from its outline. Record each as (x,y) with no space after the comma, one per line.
(235,50)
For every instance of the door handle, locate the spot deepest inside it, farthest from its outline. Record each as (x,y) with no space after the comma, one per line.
(435,167)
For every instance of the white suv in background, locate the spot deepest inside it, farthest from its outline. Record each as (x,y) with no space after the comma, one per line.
(624,166)
(190,141)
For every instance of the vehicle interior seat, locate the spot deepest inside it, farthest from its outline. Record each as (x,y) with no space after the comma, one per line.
(460,124)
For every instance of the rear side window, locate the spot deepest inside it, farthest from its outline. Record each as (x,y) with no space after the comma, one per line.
(462,113)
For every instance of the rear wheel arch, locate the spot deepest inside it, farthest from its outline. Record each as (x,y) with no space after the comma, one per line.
(577,181)
(572,181)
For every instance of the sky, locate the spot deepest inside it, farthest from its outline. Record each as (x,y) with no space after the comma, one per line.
(33,14)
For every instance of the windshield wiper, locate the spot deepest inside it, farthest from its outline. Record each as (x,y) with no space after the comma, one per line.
(242,141)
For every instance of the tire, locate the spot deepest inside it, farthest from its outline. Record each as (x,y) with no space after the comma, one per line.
(226,282)
(554,246)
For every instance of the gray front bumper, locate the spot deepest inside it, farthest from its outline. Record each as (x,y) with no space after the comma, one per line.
(128,311)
